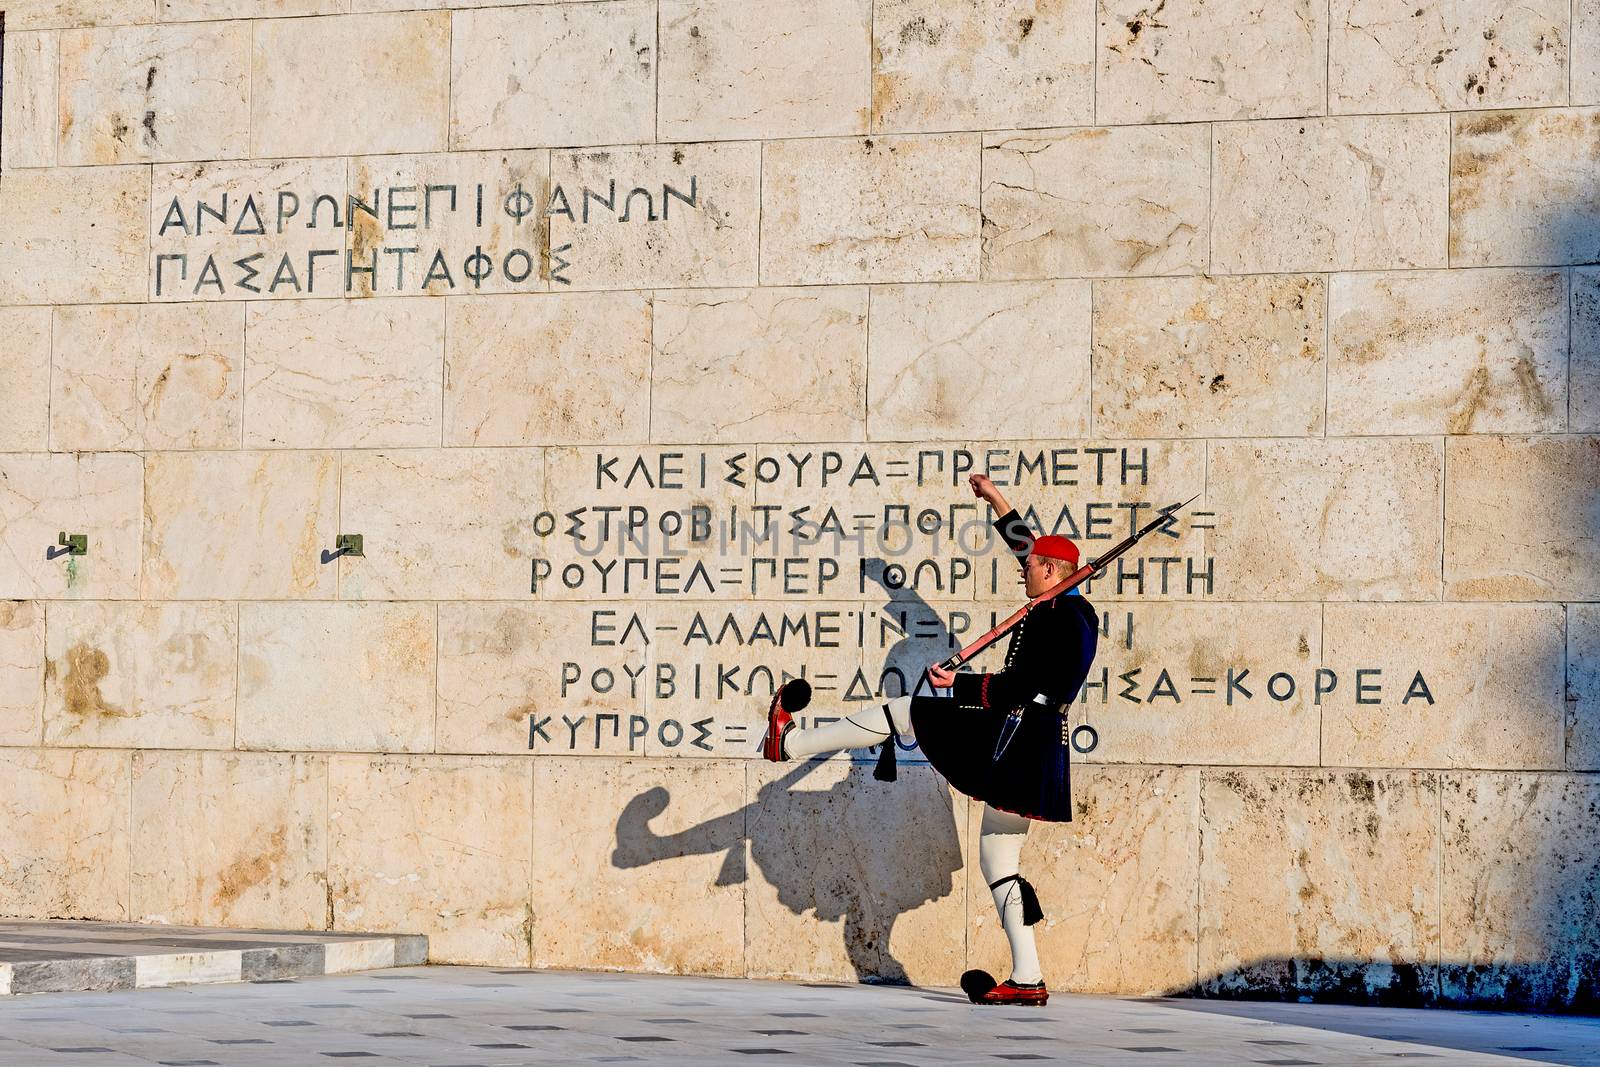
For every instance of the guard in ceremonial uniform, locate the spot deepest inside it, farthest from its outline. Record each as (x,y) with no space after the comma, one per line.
(1000,738)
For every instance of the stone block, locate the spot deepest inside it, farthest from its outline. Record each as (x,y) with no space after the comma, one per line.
(49,14)
(515,678)
(640,866)
(960,361)
(140,675)
(1522,190)
(379,83)
(439,846)
(230,839)
(560,368)
(410,5)
(715,667)
(1444,685)
(655,215)
(73,236)
(410,950)
(1585,52)
(1519,518)
(1395,55)
(1094,202)
(828,515)
(1003,63)
(649,523)
(1584,396)
(1520,882)
(557,74)
(442,524)
(66,854)
(25,379)
(29,96)
(450,208)
(187,968)
(199,10)
(346,957)
(284,961)
(1117,885)
(755,69)
(1202,684)
(278,218)
(901,636)
(841,506)
(887,209)
(145,94)
(1583,687)
(1435,352)
(146,376)
(45,496)
(344,374)
(1350,519)
(723,357)
(74,976)
(21,672)
(1352,906)
(342,677)
(820,907)
(1330,194)
(238,525)
(1209,357)
(1190,61)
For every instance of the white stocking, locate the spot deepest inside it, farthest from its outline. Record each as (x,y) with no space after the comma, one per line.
(999,854)
(863,729)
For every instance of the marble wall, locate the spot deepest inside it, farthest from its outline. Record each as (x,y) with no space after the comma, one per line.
(647,344)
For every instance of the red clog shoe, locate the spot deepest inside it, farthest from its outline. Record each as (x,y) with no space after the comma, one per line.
(790,698)
(1009,992)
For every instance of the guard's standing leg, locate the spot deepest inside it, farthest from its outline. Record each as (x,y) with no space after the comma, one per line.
(1001,835)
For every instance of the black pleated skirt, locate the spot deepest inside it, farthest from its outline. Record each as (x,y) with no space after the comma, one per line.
(1033,777)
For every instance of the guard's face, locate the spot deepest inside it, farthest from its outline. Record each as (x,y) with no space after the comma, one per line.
(1038,574)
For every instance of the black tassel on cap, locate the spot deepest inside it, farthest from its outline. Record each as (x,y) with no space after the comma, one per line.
(887,770)
(1032,913)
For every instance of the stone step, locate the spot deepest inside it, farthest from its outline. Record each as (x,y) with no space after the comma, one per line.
(70,956)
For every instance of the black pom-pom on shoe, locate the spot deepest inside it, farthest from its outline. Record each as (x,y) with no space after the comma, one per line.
(794,695)
(977,983)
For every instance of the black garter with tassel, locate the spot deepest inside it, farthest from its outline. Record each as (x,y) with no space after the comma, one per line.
(887,770)
(1031,912)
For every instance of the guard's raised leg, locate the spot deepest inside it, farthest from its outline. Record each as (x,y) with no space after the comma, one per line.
(859,729)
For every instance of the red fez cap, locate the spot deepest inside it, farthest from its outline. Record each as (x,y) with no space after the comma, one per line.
(1054,546)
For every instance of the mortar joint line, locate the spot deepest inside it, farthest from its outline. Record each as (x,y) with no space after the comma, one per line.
(1094,67)
(1566,681)
(872,65)
(1572,282)
(657,78)
(866,372)
(1211,198)
(449,86)
(1327,61)
(1327,352)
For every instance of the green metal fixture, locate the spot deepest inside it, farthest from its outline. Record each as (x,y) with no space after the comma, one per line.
(75,544)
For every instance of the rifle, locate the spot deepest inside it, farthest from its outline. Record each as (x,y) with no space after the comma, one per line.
(1092,569)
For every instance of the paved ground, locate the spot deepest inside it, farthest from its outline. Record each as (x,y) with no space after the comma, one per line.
(459,1016)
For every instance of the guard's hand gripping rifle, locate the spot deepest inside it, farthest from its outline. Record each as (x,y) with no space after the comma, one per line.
(1089,570)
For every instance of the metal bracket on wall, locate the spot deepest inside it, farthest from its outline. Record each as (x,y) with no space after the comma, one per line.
(348,545)
(75,544)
